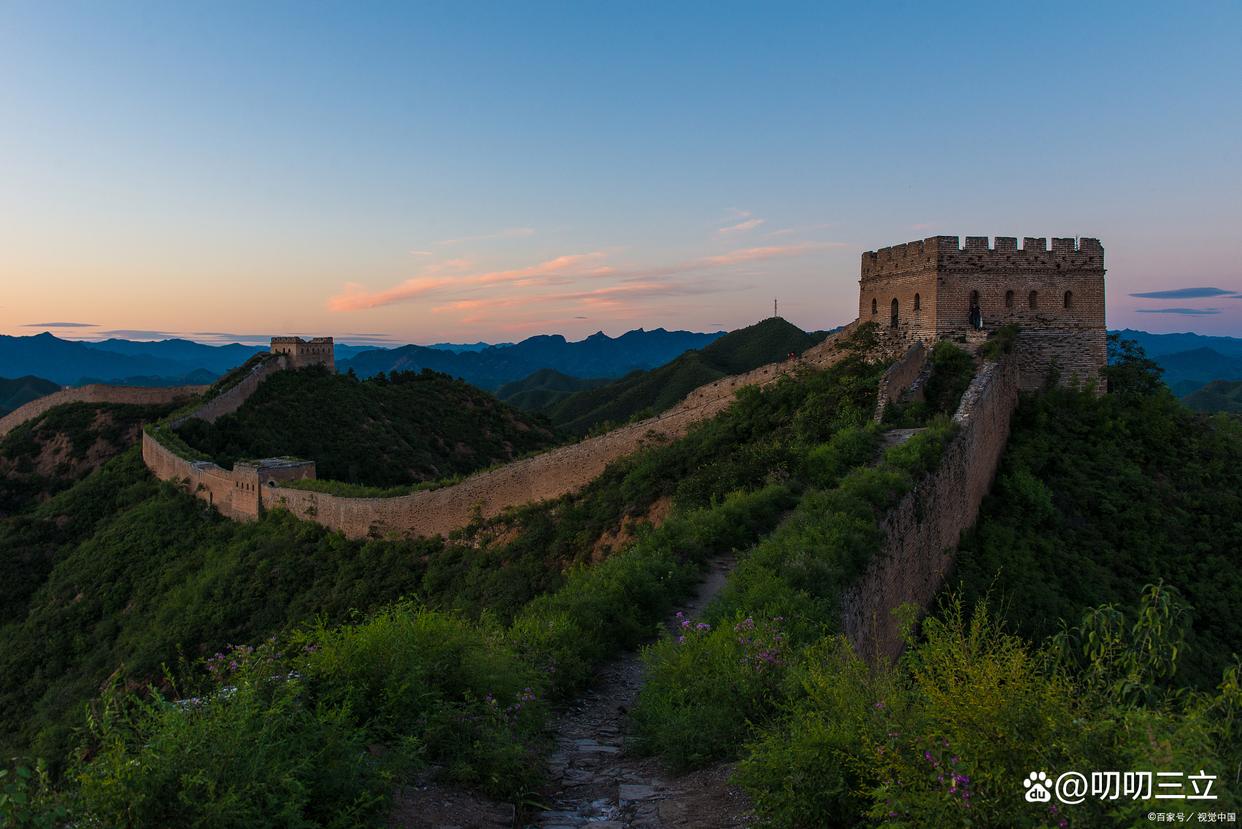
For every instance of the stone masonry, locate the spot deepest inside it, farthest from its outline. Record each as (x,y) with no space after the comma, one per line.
(301,353)
(925,290)
(97,393)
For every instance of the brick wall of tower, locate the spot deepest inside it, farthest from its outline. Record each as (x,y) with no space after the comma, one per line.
(907,274)
(1055,294)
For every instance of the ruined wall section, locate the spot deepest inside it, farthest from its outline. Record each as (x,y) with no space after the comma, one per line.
(899,376)
(97,393)
(922,530)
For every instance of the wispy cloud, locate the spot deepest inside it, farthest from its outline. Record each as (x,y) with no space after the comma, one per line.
(740,221)
(741,227)
(507,233)
(559,280)
(922,226)
(422,253)
(356,297)
(1189,312)
(60,325)
(1186,293)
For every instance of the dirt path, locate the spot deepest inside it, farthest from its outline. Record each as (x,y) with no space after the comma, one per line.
(594,783)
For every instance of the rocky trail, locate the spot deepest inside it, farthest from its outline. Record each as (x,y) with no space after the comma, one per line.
(592,780)
(596,783)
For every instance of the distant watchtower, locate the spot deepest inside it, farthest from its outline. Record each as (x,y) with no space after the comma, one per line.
(933,289)
(300,353)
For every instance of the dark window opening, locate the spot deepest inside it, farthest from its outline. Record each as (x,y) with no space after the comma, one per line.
(918,303)
(1033,300)
(1008,299)
(893,321)
(1069,299)
(873,307)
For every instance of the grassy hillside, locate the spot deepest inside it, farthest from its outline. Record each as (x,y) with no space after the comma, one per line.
(644,393)
(543,389)
(22,390)
(1098,496)
(64,444)
(145,574)
(384,431)
(1217,396)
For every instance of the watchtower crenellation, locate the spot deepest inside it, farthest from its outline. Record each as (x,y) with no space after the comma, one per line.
(300,353)
(943,287)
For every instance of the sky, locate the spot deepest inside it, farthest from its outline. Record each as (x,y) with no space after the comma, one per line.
(465,171)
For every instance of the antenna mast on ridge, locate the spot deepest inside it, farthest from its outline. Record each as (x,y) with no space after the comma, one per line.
(774,307)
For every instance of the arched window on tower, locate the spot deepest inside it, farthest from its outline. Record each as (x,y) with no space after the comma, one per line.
(874,308)
(1032,300)
(1069,300)
(1008,299)
(893,320)
(918,303)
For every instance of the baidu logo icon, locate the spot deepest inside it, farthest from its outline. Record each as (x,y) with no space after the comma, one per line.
(1038,788)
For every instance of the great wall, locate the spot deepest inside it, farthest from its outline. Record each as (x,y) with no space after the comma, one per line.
(97,393)
(946,291)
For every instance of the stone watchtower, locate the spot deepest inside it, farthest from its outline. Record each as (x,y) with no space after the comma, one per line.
(300,353)
(933,289)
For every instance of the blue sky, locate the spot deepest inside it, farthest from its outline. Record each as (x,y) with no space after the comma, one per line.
(428,172)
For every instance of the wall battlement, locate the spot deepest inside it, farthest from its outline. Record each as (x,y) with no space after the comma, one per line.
(948,251)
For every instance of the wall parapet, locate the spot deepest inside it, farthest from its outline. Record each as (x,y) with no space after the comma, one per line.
(921,531)
(1068,253)
(97,393)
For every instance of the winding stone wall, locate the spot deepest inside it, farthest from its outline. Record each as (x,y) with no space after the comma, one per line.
(231,399)
(922,530)
(97,393)
(541,477)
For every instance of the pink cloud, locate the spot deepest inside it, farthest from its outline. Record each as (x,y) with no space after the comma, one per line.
(560,270)
(355,297)
(741,227)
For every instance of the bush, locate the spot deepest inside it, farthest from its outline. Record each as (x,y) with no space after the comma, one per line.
(946,737)
(251,754)
(430,687)
(706,686)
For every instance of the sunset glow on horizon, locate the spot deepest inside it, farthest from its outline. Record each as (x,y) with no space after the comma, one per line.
(393,174)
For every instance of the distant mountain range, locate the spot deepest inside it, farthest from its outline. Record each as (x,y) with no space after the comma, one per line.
(489,368)
(1190,361)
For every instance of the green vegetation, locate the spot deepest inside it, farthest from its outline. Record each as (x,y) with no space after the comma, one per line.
(950,371)
(145,577)
(21,390)
(387,431)
(1217,396)
(718,679)
(1097,496)
(49,453)
(948,735)
(645,393)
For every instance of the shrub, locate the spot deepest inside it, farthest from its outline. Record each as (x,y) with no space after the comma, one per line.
(249,754)
(431,687)
(706,687)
